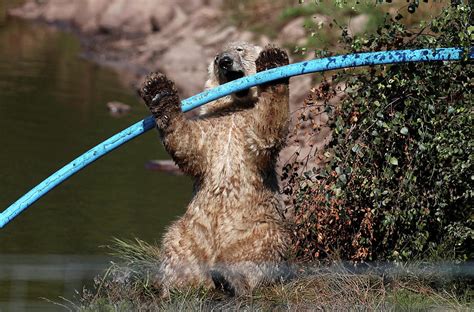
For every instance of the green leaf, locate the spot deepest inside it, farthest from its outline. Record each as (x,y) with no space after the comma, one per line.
(343,178)
(404,130)
(393,161)
(356,148)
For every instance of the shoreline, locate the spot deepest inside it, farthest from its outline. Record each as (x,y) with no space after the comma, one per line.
(179,39)
(175,49)
(180,43)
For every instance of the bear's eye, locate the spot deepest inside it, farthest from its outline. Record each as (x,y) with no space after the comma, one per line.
(239,49)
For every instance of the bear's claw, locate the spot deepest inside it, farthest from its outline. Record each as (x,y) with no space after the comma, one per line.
(161,97)
(271,57)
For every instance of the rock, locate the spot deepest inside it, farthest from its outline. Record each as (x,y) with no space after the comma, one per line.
(139,16)
(293,32)
(30,10)
(88,14)
(299,87)
(118,109)
(167,166)
(190,6)
(357,24)
(185,47)
(118,16)
(62,11)
(52,11)
(181,63)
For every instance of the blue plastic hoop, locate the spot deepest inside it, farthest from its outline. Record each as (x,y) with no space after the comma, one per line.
(318,65)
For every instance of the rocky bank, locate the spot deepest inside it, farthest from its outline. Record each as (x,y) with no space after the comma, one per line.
(176,37)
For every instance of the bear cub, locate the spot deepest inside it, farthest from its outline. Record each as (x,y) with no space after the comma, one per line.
(233,235)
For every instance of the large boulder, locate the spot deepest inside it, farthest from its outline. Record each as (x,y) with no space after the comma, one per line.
(184,63)
(138,16)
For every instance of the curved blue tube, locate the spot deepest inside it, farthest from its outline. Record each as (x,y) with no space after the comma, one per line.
(318,65)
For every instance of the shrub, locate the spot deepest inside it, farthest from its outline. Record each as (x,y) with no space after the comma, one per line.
(398,181)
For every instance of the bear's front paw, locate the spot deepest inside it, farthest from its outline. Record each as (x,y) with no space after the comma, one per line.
(161,97)
(271,57)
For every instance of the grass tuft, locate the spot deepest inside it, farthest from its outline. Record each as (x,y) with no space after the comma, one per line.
(333,285)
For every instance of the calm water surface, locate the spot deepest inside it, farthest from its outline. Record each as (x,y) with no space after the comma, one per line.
(52,109)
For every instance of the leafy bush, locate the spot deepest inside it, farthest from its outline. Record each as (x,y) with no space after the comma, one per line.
(398,179)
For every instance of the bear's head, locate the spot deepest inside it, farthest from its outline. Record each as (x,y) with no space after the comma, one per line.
(236,60)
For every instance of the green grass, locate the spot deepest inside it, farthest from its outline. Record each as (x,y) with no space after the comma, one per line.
(325,291)
(329,286)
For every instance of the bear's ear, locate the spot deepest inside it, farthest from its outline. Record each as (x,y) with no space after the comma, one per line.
(253,51)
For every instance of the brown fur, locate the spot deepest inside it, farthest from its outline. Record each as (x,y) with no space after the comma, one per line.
(232,235)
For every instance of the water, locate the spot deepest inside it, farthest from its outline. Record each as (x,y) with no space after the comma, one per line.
(52,109)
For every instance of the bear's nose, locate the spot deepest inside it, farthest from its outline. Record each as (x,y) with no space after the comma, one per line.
(225,62)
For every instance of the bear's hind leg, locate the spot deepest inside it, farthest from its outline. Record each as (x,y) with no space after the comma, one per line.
(176,272)
(239,279)
(184,261)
